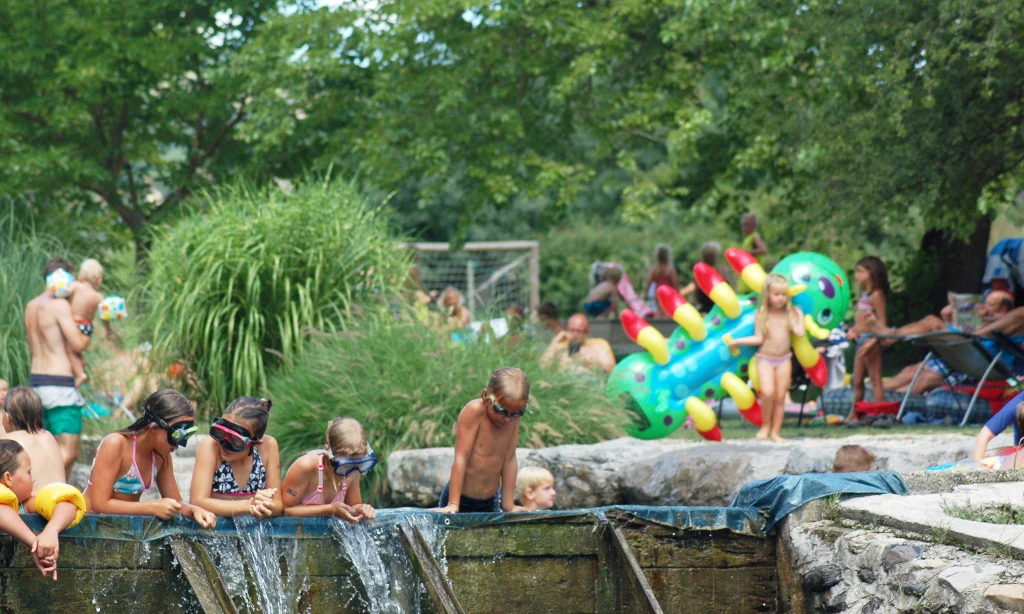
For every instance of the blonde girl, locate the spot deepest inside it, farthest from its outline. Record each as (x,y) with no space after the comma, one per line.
(775,321)
(309,490)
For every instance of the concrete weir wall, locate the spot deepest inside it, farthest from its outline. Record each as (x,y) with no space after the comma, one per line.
(597,561)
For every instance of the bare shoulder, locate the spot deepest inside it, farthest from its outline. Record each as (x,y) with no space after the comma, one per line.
(307,462)
(207,446)
(472,411)
(269,443)
(58,307)
(112,444)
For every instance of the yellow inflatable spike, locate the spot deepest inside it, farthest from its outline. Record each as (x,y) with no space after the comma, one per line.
(54,494)
(689,318)
(805,352)
(752,374)
(747,266)
(703,416)
(8,498)
(654,342)
(724,297)
(738,390)
(797,289)
(812,327)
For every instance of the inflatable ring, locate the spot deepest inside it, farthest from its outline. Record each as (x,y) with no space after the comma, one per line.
(8,498)
(52,494)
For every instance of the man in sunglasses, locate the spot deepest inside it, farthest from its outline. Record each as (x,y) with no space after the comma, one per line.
(483,477)
(574,346)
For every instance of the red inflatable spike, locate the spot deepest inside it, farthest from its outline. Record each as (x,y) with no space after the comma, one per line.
(714,434)
(706,277)
(632,323)
(739,259)
(818,373)
(670,300)
(753,415)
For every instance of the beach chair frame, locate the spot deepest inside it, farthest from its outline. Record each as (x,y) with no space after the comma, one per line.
(962,353)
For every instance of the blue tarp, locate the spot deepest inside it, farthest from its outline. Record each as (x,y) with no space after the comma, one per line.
(775,498)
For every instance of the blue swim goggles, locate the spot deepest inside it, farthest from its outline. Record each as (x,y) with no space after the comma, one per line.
(344,465)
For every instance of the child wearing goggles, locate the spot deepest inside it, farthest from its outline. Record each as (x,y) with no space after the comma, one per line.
(238,468)
(346,457)
(138,458)
(480,471)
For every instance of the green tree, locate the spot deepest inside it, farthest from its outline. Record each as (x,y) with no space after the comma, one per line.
(127,107)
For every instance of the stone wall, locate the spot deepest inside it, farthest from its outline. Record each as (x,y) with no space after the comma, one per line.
(673,472)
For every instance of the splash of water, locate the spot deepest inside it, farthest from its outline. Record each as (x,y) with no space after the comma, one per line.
(389,581)
(276,566)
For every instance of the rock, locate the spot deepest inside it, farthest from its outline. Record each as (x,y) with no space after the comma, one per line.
(1008,596)
(901,553)
(668,471)
(914,589)
(960,578)
(866,575)
(820,579)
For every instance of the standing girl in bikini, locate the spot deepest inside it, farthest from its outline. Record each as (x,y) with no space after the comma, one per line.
(663,273)
(133,460)
(346,456)
(873,277)
(776,320)
(238,469)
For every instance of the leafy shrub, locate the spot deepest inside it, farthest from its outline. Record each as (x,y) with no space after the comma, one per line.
(242,279)
(407,383)
(23,256)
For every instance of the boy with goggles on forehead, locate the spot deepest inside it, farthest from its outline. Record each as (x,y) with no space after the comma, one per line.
(138,458)
(343,460)
(483,477)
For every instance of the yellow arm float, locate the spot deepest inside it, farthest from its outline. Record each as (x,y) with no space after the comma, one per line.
(8,498)
(53,494)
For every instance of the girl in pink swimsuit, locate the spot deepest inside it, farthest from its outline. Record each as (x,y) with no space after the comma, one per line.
(344,459)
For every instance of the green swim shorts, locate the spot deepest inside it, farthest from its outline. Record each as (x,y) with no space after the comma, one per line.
(65,419)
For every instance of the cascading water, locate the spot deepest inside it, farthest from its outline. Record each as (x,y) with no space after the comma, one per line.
(375,550)
(276,567)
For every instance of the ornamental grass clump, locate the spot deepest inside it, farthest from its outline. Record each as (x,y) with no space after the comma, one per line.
(406,384)
(235,286)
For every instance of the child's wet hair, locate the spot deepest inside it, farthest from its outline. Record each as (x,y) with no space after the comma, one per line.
(251,409)
(10,450)
(532,478)
(166,404)
(346,436)
(510,383)
(877,272)
(25,409)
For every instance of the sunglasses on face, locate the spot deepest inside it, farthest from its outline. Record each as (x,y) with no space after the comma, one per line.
(178,433)
(230,436)
(344,465)
(501,411)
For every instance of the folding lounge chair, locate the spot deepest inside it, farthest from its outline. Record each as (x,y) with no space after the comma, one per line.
(964,354)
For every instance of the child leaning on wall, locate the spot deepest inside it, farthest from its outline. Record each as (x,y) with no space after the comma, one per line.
(535,489)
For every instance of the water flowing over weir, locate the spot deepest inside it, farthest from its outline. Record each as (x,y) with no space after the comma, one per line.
(671,559)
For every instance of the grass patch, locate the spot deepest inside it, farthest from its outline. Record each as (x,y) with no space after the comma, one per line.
(736,428)
(407,383)
(997,513)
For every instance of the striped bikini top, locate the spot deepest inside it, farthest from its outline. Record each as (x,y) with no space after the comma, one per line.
(131,483)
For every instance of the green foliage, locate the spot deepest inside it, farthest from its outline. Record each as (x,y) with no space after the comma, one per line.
(123,108)
(406,384)
(1002,513)
(247,277)
(23,256)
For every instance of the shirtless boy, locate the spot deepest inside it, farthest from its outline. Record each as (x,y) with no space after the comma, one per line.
(483,477)
(85,299)
(23,419)
(52,334)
